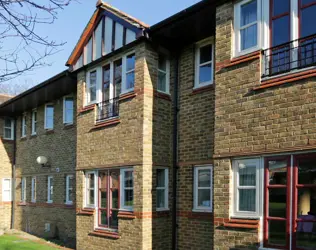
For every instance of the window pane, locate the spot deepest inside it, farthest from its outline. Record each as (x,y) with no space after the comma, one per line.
(249,37)
(306,203)
(128,179)
(162,77)
(247,175)
(162,63)
(71,195)
(49,111)
(114,219)
(130,62)
(115,179)
(206,54)
(118,77)
(91,197)
(161,198)
(103,180)
(115,198)
(91,180)
(277,202)
(277,232)
(103,201)
(130,80)
(280,7)
(308,17)
(206,73)
(51,187)
(306,171)
(248,13)
(7,133)
(92,90)
(305,2)
(128,198)
(277,172)
(280,30)
(204,178)
(160,178)
(7,123)
(247,200)
(204,198)
(103,219)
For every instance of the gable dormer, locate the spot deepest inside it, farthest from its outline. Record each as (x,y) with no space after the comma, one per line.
(108,30)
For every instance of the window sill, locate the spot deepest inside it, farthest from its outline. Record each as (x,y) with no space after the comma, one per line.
(22,204)
(105,234)
(126,215)
(86,211)
(33,135)
(86,108)
(245,224)
(49,131)
(201,86)
(49,202)
(163,95)
(127,95)
(23,138)
(68,126)
(108,122)
(202,210)
(202,89)
(162,209)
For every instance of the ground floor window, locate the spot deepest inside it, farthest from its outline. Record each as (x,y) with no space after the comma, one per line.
(202,188)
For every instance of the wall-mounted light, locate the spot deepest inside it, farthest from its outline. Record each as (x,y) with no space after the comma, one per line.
(42,160)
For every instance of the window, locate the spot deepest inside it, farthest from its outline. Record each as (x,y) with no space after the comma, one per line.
(23,189)
(69,189)
(8,132)
(246,187)
(162,188)
(129,68)
(204,57)
(246,25)
(90,189)
(50,189)
(68,110)
(203,188)
(33,190)
(49,116)
(92,88)
(23,125)
(6,189)
(127,190)
(163,74)
(34,122)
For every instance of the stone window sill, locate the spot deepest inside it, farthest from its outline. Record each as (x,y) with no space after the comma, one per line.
(105,234)
(106,123)
(127,95)
(126,215)
(85,211)
(49,131)
(162,95)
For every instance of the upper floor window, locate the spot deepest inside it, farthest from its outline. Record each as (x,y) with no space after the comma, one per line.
(49,116)
(8,132)
(162,188)
(50,189)
(163,74)
(33,190)
(203,188)
(23,125)
(129,76)
(6,189)
(204,63)
(92,87)
(246,26)
(23,189)
(68,114)
(34,122)
(69,189)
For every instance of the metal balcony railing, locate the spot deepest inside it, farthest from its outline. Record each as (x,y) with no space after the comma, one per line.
(107,109)
(289,56)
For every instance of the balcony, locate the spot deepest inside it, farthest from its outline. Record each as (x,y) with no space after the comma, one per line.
(294,55)
(107,109)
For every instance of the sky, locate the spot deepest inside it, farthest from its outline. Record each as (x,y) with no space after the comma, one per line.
(73,19)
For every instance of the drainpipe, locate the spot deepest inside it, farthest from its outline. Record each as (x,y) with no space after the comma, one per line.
(175,155)
(13,176)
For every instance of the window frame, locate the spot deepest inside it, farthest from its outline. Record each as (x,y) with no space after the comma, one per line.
(237,37)
(23,189)
(34,122)
(167,72)
(196,188)
(65,110)
(258,187)
(123,188)
(11,129)
(45,117)
(50,192)
(33,190)
(87,189)
(68,188)
(165,188)
(124,88)
(4,190)
(23,125)
(88,87)
(197,54)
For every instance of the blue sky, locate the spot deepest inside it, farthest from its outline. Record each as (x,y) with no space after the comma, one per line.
(72,20)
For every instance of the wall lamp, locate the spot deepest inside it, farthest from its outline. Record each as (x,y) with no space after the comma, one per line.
(42,160)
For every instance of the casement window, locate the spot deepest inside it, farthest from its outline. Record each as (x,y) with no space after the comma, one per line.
(6,189)
(69,189)
(127,189)
(246,187)
(129,73)
(203,188)
(247,26)
(34,122)
(23,189)
(8,132)
(33,190)
(163,74)
(91,92)
(162,188)
(23,125)
(50,189)
(90,189)
(68,114)
(49,116)
(204,63)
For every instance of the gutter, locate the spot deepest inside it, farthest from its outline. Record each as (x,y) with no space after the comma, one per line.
(13,176)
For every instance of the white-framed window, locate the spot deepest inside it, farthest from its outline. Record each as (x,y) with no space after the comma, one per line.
(6,189)
(33,189)
(247,26)
(34,122)
(163,74)
(162,183)
(50,189)
(246,187)
(202,197)
(129,73)
(8,128)
(69,189)
(204,63)
(91,87)
(49,116)
(23,125)
(68,114)
(91,181)
(23,189)
(127,189)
